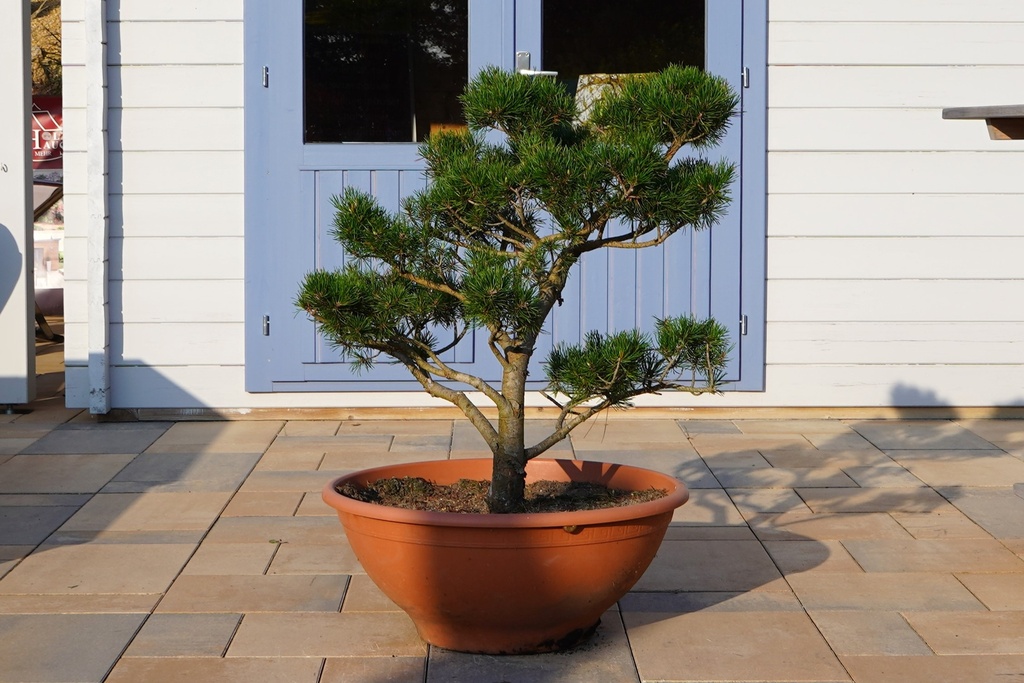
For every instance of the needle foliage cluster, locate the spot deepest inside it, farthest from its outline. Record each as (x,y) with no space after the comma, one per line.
(512,204)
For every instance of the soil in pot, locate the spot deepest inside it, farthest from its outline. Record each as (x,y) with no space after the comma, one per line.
(470,495)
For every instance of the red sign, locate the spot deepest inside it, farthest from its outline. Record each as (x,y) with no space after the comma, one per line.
(47,133)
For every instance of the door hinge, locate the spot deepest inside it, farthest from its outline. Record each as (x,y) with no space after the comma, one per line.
(266,326)
(266,77)
(743,325)
(745,76)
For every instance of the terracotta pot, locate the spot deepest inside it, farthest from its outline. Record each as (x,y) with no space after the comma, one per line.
(507,584)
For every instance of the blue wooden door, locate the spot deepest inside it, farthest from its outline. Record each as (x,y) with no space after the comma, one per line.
(292,170)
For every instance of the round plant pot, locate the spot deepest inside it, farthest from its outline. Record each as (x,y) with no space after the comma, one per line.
(507,584)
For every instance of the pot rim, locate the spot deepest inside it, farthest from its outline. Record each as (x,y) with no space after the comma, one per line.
(677,496)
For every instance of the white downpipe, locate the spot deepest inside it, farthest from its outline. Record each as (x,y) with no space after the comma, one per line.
(97,215)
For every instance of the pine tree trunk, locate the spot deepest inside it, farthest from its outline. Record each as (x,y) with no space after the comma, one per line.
(508,477)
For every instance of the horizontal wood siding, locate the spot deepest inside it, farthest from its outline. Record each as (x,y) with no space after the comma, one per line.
(175,124)
(894,235)
(894,238)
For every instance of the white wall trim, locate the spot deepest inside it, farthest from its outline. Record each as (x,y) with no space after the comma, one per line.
(97,216)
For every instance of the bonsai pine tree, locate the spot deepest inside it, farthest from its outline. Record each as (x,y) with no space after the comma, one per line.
(490,243)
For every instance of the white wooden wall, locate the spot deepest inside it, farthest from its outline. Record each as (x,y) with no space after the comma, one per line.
(895,237)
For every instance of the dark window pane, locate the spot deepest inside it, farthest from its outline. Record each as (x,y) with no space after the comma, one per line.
(383,70)
(616,37)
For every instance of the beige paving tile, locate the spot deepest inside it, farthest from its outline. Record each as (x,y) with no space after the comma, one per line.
(902,592)
(684,532)
(606,657)
(15,445)
(97,568)
(945,523)
(962,468)
(752,502)
(240,593)
(324,530)
(231,558)
(918,434)
(931,669)
(427,446)
(690,647)
(298,446)
(364,596)
(711,566)
(184,635)
(232,670)
(1002,433)
(971,633)
(831,458)
(60,473)
(792,427)
(97,603)
(1000,512)
(708,507)
(313,505)
(749,459)
(374,669)
(873,500)
(299,482)
(869,633)
(303,558)
(840,442)
(793,557)
(882,477)
(73,500)
(392,427)
(779,478)
(101,438)
(347,634)
(244,436)
(148,511)
(694,427)
(310,428)
(719,444)
(263,504)
(62,647)
(684,465)
(933,555)
(306,460)
(799,526)
(357,459)
(183,472)
(628,432)
(999,592)
(30,524)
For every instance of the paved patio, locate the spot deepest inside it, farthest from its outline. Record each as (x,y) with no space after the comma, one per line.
(819,550)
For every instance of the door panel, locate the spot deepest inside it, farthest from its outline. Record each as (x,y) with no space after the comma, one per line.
(290,183)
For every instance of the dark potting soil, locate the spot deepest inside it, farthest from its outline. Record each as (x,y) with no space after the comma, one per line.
(469,495)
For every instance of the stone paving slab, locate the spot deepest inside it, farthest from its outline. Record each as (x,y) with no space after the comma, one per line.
(811,550)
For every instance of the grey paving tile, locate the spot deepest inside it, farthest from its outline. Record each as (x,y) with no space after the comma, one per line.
(711,566)
(919,434)
(246,436)
(57,648)
(151,511)
(777,477)
(184,635)
(999,511)
(962,467)
(692,427)
(882,477)
(175,472)
(104,438)
(30,525)
(909,499)
(60,473)
(684,465)
(606,657)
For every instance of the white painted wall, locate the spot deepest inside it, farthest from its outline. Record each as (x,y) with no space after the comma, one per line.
(894,275)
